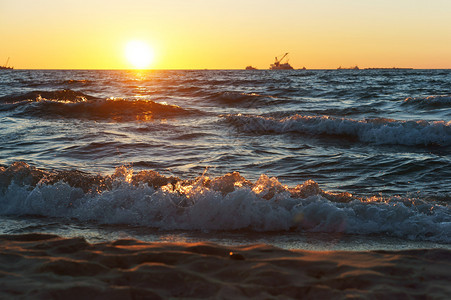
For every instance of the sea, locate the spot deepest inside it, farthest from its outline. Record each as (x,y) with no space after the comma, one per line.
(298,159)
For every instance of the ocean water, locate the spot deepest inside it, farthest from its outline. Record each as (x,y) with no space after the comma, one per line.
(304,159)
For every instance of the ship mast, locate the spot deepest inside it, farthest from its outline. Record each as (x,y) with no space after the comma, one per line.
(278,61)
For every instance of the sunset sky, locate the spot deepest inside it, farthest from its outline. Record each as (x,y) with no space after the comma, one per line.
(226,34)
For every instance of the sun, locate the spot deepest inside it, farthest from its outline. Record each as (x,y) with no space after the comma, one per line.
(139,54)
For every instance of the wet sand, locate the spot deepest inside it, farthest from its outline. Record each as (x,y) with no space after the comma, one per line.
(42,266)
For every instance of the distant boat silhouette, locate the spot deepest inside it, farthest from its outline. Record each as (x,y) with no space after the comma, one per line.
(351,68)
(5,67)
(250,68)
(277,65)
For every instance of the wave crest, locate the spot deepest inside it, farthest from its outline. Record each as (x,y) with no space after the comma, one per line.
(72,104)
(59,95)
(378,131)
(429,102)
(246,100)
(228,202)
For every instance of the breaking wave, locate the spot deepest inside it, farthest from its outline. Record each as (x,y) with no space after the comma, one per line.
(378,131)
(72,104)
(229,202)
(60,95)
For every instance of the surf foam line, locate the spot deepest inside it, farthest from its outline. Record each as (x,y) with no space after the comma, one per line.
(229,202)
(378,131)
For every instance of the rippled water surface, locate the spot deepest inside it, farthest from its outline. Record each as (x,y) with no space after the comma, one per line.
(349,150)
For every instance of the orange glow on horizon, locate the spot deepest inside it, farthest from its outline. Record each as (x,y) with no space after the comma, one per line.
(216,35)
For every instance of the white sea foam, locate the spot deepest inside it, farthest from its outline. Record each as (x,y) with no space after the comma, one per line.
(230,203)
(378,131)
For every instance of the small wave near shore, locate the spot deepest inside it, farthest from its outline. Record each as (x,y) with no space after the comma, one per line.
(228,202)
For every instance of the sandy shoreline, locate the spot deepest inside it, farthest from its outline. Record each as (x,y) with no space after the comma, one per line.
(41,266)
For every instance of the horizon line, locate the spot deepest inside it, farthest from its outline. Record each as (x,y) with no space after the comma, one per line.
(231,69)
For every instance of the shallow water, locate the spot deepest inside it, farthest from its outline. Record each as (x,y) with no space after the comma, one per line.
(80,150)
